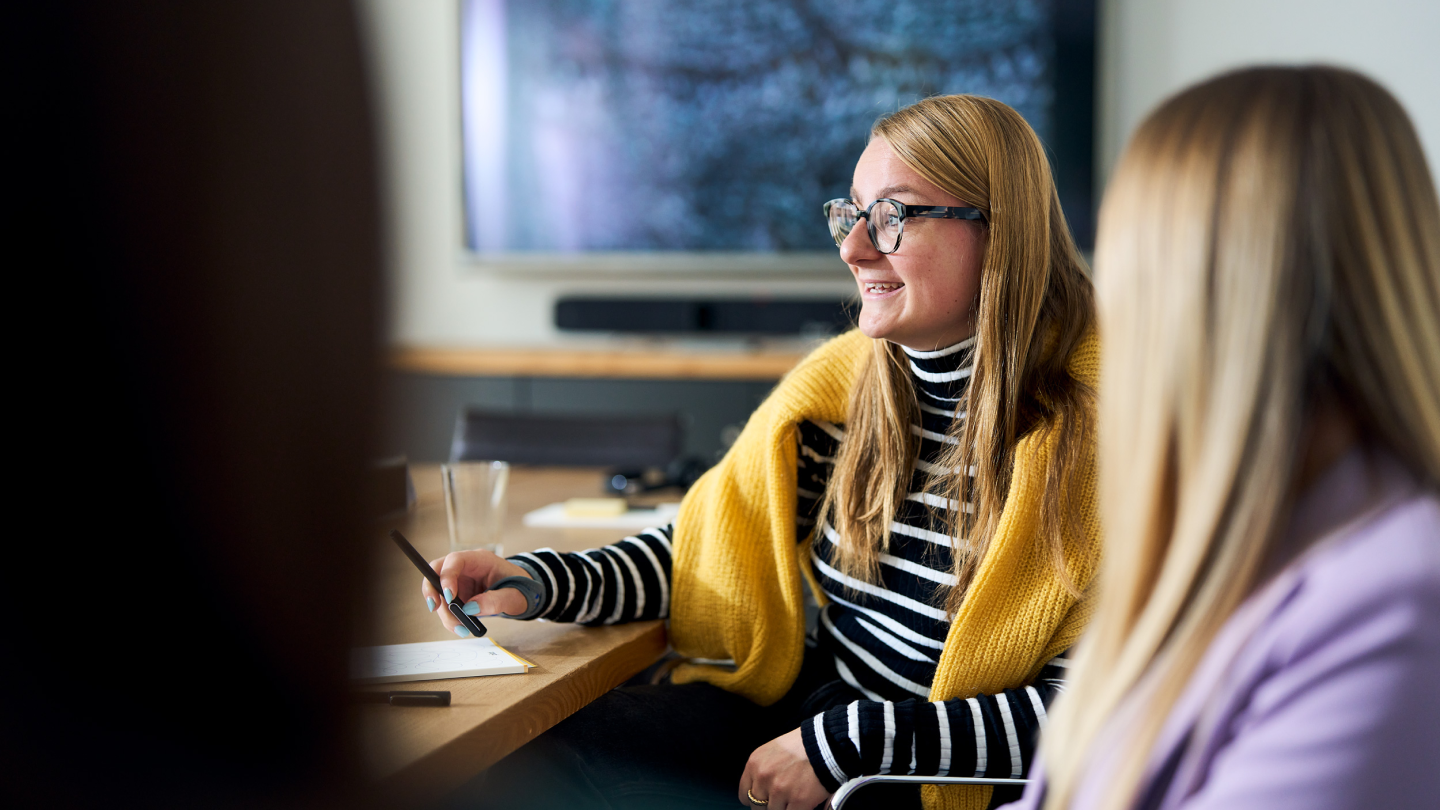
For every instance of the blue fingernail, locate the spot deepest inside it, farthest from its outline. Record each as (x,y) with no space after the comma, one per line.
(461,631)
(430,604)
(449,595)
(472,608)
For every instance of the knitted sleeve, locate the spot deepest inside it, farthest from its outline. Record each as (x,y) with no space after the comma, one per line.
(623,582)
(984,736)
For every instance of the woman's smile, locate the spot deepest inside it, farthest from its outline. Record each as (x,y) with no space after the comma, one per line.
(880,289)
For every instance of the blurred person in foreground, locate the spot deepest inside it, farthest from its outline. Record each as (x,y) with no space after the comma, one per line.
(194,238)
(1268,633)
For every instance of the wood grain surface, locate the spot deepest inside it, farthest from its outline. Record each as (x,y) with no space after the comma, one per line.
(636,363)
(429,751)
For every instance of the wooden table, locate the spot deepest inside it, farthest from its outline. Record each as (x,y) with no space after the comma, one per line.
(426,750)
(768,362)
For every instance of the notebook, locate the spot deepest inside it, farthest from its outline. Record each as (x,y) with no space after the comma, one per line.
(433,661)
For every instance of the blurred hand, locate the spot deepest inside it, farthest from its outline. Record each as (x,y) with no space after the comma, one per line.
(468,575)
(779,773)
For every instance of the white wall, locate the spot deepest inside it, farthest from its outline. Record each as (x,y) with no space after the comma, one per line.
(1152,48)
(1148,49)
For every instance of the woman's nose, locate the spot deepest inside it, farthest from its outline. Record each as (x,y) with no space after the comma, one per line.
(857,246)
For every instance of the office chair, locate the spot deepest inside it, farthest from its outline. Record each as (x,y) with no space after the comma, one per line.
(848,789)
(627,442)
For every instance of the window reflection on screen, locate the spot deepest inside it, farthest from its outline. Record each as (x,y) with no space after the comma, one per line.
(686,125)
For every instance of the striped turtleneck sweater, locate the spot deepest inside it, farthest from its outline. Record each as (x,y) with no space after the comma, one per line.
(885,637)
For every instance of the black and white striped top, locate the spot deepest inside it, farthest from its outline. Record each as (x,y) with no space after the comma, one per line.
(885,637)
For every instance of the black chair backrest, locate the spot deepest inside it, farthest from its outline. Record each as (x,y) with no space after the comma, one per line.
(625,442)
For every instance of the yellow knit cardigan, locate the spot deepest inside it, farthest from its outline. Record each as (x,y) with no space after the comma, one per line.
(736,590)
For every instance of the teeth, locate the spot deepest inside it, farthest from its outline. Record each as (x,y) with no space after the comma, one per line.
(879,287)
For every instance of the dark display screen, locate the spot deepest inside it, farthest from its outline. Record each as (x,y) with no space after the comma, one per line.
(687,125)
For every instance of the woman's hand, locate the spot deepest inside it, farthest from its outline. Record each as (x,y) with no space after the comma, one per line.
(779,773)
(468,575)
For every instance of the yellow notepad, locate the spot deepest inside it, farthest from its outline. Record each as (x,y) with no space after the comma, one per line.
(434,661)
(595,507)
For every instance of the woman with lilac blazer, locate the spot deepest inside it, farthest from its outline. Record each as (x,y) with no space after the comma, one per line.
(1267,633)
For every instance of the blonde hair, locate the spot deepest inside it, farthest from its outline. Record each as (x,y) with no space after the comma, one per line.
(1034,307)
(1271,238)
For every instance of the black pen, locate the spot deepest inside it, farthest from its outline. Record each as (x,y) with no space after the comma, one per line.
(456,608)
(401,698)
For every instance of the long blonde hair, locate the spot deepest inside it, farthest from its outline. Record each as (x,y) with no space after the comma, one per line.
(1271,238)
(1034,307)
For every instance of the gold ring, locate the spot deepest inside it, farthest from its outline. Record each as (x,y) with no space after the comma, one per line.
(755,801)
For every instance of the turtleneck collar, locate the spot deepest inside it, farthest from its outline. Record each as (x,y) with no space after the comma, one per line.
(941,376)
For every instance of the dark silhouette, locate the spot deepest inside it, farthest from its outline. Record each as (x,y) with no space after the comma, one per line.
(194,254)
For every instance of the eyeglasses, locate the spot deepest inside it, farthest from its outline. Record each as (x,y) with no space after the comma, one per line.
(885,219)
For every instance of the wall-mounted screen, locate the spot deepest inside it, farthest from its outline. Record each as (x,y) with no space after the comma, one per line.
(670,131)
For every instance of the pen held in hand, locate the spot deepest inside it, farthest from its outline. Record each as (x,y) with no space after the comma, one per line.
(455,606)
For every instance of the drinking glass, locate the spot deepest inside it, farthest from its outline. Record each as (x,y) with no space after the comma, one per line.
(475,503)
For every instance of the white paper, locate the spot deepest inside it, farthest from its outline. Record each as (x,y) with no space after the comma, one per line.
(432,661)
(554,517)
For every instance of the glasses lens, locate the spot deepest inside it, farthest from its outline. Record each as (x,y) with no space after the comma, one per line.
(842,216)
(885,221)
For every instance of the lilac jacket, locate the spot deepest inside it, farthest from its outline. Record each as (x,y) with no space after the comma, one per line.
(1322,691)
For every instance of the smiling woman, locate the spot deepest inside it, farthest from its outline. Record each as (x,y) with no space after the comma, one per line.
(931,475)
(1011,288)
